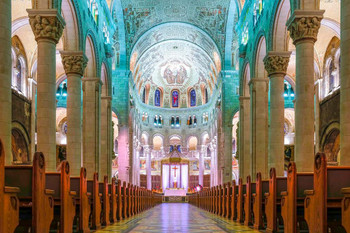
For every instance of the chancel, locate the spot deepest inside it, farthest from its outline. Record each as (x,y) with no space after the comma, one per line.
(174,116)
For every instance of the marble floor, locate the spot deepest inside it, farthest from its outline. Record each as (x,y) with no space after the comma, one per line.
(176,218)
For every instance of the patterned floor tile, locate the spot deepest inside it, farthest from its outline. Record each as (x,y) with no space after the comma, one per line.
(176,218)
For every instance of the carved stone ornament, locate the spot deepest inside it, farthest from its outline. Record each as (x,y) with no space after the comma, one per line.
(305,26)
(46,24)
(74,63)
(275,64)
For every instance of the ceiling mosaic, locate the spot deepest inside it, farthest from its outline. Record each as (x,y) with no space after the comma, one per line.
(141,15)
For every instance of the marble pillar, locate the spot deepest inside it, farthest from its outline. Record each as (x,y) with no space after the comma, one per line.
(276,64)
(303,27)
(345,84)
(5,77)
(244,137)
(74,63)
(202,154)
(212,165)
(147,154)
(106,128)
(259,126)
(47,26)
(91,124)
(123,153)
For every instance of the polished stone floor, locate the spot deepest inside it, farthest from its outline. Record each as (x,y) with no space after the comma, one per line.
(176,218)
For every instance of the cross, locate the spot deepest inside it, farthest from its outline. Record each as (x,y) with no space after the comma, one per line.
(175,168)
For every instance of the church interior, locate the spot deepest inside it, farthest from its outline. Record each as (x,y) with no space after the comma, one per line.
(174,116)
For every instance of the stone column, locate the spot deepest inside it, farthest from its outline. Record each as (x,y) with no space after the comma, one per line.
(276,64)
(244,137)
(33,88)
(91,124)
(259,126)
(303,27)
(47,25)
(345,84)
(202,154)
(5,77)
(106,127)
(212,176)
(147,153)
(74,63)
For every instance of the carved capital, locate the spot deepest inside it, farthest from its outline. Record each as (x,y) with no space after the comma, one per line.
(276,63)
(46,24)
(74,62)
(304,25)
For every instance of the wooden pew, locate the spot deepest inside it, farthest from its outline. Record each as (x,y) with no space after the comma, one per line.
(9,202)
(273,201)
(125,201)
(228,200)
(212,192)
(64,198)
(112,187)
(248,207)
(326,198)
(234,193)
(129,200)
(83,208)
(219,200)
(119,201)
(346,209)
(223,200)
(95,201)
(104,190)
(258,199)
(292,203)
(240,201)
(36,204)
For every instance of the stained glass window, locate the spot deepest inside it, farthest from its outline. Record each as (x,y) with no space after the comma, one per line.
(175,99)
(157,98)
(144,96)
(193,97)
(19,76)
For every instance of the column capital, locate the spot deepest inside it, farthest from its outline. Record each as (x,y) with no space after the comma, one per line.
(74,62)
(304,25)
(276,62)
(46,24)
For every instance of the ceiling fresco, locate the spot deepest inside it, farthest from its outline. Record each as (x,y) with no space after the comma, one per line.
(175,64)
(141,15)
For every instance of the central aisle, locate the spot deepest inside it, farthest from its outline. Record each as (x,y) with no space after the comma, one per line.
(176,218)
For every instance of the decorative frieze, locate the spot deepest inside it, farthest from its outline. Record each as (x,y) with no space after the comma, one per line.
(276,62)
(74,62)
(304,25)
(46,24)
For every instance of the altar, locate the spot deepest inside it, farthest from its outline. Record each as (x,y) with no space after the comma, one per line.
(175,173)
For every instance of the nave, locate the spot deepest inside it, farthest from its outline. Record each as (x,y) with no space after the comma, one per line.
(176,218)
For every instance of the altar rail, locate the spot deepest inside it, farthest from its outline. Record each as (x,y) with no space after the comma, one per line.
(175,199)
(42,202)
(285,204)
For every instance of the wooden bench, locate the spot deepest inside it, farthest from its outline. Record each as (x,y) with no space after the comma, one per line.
(346,209)
(248,206)
(104,190)
(220,189)
(228,200)
(119,200)
(9,202)
(258,199)
(95,201)
(240,201)
(234,193)
(129,198)
(292,203)
(64,198)
(273,201)
(33,210)
(112,187)
(326,197)
(124,200)
(83,207)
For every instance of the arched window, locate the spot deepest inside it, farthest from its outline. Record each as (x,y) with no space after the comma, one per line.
(19,76)
(193,98)
(175,99)
(20,152)
(61,94)
(331,76)
(144,95)
(157,98)
(206,95)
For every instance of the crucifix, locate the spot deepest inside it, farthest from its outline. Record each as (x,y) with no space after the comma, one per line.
(175,168)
